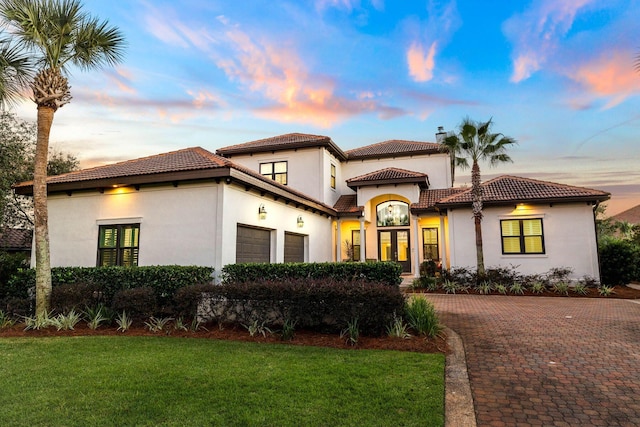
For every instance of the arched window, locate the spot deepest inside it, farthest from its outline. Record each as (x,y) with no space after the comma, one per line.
(393,213)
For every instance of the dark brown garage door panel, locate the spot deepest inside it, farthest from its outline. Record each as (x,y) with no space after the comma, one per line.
(253,245)
(293,247)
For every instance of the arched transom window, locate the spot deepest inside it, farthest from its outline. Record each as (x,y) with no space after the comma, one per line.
(393,213)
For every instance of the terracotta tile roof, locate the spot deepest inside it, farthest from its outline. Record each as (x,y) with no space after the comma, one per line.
(288,141)
(15,239)
(393,148)
(429,198)
(189,163)
(195,158)
(348,204)
(389,176)
(510,189)
(630,215)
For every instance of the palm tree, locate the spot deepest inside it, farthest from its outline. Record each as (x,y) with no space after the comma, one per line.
(16,69)
(56,34)
(476,143)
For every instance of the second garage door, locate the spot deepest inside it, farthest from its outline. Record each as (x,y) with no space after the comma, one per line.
(253,245)
(293,247)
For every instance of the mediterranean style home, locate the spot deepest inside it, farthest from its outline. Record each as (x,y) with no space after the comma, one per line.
(300,198)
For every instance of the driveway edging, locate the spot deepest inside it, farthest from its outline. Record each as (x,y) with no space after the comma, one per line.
(459,409)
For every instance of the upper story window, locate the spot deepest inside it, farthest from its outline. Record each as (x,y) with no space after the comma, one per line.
(277,171)
(392,214)
(522,236)
(333,176)
(118,245)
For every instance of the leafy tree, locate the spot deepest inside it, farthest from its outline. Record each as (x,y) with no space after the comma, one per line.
(475,142)
(56,34)
(17,149)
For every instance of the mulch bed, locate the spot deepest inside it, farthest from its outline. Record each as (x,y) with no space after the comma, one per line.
(620,292)
(235,333)
(302,337)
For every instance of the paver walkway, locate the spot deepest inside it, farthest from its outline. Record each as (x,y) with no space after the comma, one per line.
(536,361)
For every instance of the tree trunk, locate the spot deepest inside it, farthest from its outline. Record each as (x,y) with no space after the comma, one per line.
(476,192)
(41,215)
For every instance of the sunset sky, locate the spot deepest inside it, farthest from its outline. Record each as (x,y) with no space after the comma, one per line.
(556,75)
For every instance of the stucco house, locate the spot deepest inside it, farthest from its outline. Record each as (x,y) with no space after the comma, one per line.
(299,197)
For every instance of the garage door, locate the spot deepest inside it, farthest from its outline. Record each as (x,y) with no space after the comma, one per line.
(293,247)
(253,245)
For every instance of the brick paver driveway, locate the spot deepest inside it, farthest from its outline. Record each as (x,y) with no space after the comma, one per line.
(537,361)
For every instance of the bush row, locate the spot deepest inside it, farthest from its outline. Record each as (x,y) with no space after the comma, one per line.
(326,305)
(75,287)
(387,273)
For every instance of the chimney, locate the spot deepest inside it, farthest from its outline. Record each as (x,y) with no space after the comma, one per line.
(440,135)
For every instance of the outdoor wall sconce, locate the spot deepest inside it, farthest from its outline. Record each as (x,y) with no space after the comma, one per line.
(262,211)
(300,222)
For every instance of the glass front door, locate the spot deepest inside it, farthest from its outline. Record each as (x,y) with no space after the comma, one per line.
(393,245)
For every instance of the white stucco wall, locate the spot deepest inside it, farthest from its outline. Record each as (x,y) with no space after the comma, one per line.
(436,166)
(176,224)
(192,224)
(305,168)
(241,207)
(569,239)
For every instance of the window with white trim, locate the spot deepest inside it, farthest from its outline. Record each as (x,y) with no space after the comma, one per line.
(118,245)
(522,236)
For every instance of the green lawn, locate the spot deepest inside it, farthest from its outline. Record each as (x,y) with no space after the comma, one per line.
(123,381)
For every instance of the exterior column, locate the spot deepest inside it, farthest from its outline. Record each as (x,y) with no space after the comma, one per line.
(338,241)
(363,240)
(443,245)
(416,253)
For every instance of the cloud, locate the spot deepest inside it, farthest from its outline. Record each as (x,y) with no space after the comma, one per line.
(165,25)
(421,63)
(535,33)
(611,76)
(281,76)
(427,38)
(348,5)
(122,78)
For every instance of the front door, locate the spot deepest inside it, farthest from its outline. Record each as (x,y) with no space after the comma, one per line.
(393,245)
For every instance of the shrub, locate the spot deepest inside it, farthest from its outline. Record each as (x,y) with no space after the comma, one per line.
(422,317)
(73,296)
(164,279)
(619,262)
(10,264)
(139,303)
(387,273)
(187,299)
(325,305)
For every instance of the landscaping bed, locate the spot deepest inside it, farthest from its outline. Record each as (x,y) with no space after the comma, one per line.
(419,344)
(620,292)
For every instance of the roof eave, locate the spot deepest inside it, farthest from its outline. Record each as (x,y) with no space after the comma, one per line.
(26,189)
(421,181)
(327,143)
(551,200)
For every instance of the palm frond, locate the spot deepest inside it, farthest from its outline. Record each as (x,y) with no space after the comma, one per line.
(16,71)
(97,44)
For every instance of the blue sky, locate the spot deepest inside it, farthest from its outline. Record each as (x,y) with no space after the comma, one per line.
(558,76)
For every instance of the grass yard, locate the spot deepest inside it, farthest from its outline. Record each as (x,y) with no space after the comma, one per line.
(148,381)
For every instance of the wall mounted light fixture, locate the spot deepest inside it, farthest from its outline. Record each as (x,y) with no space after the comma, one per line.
(262,212)
(300,222)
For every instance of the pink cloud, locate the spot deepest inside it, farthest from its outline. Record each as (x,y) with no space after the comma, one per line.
(278,73)
(421,63)
(611,76)
(122,78)
(535,34)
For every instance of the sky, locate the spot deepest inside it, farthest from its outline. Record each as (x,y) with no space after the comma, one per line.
(556,75)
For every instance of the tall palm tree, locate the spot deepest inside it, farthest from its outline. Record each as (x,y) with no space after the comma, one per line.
(476,143)
(56,34)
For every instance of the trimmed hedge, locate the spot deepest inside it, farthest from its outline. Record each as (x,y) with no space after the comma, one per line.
(82,285)
(317,304)
(387,273)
